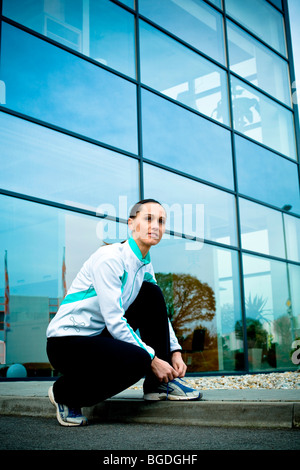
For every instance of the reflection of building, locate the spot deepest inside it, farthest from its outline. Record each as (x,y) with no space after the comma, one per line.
(104,103)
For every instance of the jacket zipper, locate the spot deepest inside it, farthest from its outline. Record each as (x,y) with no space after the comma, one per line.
(134,281)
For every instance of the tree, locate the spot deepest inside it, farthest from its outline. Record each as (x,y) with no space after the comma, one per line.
(189,301)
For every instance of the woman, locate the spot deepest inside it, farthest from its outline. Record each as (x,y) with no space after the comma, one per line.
(93,339)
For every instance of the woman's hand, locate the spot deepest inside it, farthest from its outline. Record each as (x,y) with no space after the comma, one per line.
(178,363)
(163,370)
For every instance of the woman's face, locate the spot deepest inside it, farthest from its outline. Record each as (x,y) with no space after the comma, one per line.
(148,226)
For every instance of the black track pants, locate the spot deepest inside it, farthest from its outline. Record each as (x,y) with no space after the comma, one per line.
(94,368)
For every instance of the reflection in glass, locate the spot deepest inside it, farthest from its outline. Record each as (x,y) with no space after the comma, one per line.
(269,312)
(262,119)
(194,21)
(100,30)
(292,236)
(259,65)
(213,219)
(261,229)
(262,19)
(201,289)
(53,85)
(40,241)
(183,140)
(266,176)
(66,170)
(182,74)
(294,283)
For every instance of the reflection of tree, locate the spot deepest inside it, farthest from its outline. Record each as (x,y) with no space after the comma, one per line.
(189,301)
(243,109)
(283,330)
(256,334)
(255,307)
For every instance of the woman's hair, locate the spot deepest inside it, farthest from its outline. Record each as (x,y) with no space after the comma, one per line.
(137,207)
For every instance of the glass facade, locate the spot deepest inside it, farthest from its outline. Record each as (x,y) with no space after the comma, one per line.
(185,101)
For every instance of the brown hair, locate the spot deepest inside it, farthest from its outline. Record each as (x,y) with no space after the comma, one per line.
(137,207)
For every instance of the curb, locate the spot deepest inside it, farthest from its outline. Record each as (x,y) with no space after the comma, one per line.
(203,413)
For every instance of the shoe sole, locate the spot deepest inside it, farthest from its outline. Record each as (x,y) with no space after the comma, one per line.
(163,396)
(59,419)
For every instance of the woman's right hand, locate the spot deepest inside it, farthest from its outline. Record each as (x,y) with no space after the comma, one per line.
(163,370)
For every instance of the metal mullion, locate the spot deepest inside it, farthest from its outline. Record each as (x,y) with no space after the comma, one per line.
(269,206)
(58,205)
(123,5)
(139,99)
(292,77)
(269,257)
(274,6)
(238,222)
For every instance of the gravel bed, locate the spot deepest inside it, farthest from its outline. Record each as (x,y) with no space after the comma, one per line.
(274,380)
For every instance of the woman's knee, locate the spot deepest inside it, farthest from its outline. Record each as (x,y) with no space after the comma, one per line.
(152,291)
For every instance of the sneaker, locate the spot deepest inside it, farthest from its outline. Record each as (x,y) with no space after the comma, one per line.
(173,390)
(67,416)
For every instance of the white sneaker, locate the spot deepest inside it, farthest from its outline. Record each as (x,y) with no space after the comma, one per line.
(173,390)
(67,416)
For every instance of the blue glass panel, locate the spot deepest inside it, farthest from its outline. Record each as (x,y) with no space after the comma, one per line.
(292,237)
(258,64)
(266,176)
(101,30)
(53,85)
(65,169)
(182,74)
(261,229)
(183,140)
(262,19)
(269,313)
(262,119)
(194,21)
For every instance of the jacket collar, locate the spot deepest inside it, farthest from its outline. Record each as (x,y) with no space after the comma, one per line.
(133,245)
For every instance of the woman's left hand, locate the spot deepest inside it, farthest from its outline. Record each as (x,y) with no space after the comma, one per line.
(178,364)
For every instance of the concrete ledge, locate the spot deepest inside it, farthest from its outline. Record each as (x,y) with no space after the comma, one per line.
(296,421)
(203,413)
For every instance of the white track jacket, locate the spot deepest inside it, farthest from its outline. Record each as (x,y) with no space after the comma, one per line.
(102,291)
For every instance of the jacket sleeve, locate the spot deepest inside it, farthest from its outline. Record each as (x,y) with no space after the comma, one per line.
(174,344)
(107,277)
